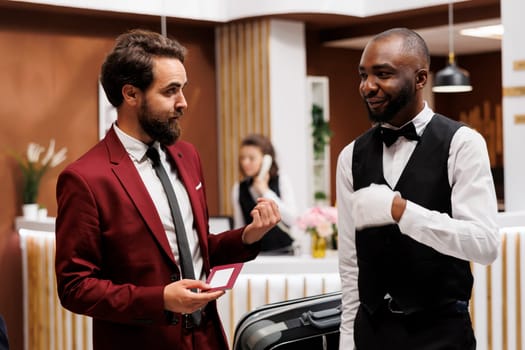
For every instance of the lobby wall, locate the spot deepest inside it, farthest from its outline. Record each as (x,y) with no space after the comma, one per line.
(482,108)
(50,63)
(348,116)
(49,66)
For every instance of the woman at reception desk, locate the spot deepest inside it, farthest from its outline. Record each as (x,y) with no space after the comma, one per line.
(261,178)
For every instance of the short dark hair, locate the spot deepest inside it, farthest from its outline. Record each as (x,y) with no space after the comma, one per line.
(265,146)
(413,42)
(131,61)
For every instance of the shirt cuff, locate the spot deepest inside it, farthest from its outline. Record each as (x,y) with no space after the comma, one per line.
(412,217)
(271,195)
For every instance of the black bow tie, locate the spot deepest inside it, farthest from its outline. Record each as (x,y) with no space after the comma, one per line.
(389,136)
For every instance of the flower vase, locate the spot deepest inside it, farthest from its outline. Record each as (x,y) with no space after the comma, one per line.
(42,214)
(30,211)
(318,246)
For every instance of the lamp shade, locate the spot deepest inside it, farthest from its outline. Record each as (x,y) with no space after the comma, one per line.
(452,79)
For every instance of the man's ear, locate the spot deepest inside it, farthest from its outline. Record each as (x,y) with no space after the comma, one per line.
(131,94)
(421,78)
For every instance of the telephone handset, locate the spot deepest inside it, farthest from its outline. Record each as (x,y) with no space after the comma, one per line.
(265,166)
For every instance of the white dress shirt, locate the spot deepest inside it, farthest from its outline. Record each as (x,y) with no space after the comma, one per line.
(470,234)
(286,202)
(137,152)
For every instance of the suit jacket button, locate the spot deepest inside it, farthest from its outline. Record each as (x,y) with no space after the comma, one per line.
(174,277)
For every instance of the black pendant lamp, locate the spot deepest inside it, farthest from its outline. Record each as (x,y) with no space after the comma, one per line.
(451,78)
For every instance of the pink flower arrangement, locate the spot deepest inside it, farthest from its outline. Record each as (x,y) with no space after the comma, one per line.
(319,220)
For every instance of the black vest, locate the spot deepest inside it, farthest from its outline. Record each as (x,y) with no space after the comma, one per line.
(276,239)
(415,275)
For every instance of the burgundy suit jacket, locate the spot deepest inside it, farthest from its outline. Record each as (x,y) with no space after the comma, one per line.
(112,254)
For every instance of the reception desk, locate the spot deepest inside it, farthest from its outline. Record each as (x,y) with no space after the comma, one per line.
(497,305)
(48,326)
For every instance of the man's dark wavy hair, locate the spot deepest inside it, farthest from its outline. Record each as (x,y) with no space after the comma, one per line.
(131,61)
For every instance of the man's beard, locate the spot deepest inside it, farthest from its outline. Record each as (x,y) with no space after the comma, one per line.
(164,130)
(393,107)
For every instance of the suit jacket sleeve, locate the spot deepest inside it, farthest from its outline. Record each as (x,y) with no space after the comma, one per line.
(89,280)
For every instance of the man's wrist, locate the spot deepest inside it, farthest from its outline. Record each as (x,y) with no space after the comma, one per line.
(398,208)
(242,236)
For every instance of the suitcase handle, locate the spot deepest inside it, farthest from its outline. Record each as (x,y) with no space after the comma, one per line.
(322,319)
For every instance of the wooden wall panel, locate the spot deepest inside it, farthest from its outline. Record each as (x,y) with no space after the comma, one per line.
(49,66)
(242,65)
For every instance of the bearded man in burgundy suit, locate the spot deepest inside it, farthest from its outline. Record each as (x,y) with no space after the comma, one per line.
(117,256)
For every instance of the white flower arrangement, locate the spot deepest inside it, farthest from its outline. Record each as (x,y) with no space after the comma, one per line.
(33,169)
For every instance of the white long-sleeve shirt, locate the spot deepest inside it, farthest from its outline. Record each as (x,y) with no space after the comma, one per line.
(286,202)
(137,152)
(470,234)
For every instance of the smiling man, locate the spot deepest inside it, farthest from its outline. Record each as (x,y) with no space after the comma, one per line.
(416,203)
(132,240)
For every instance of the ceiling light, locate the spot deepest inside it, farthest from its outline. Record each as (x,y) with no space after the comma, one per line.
(491,32)
(451,78)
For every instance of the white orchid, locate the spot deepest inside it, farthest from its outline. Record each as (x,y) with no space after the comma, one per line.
(33,170)
(49,153)
(33,152)
(58,157)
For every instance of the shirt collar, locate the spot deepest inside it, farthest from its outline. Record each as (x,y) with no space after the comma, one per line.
(420,121)
(135,148)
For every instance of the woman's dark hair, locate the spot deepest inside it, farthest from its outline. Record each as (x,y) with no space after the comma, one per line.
(131,61)
(265,145)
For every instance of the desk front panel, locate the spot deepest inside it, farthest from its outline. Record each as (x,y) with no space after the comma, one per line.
(497,306)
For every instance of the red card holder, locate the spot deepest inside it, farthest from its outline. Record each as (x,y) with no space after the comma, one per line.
(223,277)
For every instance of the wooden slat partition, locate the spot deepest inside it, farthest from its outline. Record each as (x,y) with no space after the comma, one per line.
(243,96)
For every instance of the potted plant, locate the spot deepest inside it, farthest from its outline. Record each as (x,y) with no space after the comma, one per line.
(33,169)
(321,134)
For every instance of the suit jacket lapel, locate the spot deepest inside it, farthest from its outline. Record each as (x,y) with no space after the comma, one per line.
(125,171)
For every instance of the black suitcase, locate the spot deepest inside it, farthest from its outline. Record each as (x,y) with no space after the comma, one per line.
(298,324)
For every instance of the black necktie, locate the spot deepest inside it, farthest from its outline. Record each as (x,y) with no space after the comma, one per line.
(389,136)
(185,260)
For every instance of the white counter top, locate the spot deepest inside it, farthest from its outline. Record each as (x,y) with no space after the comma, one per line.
(292,264)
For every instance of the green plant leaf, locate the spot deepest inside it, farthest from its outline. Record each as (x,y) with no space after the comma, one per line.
(321,132)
